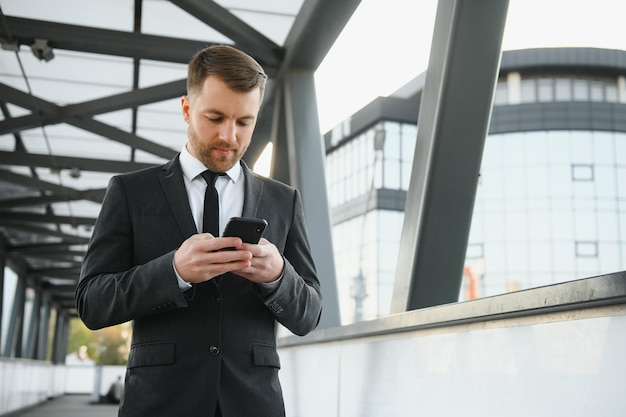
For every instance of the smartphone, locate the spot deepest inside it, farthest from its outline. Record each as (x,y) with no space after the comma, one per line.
(248,229)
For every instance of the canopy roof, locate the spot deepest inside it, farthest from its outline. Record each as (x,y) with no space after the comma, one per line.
(91,89)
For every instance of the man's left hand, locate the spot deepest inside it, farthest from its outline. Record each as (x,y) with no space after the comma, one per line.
(266,264)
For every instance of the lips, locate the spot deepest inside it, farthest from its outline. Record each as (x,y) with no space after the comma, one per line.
(224,151)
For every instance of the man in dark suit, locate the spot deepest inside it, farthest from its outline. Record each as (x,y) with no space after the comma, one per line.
(204,319)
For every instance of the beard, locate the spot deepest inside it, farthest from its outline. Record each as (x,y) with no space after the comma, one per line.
(217,163)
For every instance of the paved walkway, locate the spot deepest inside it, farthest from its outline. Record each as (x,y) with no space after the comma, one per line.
(70,406)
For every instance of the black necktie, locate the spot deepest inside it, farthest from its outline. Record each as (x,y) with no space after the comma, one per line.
(211,217)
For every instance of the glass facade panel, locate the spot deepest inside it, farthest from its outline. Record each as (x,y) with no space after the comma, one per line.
(596,91)
(550,207)
(581,147)
(391,156)
(609,256)
(545,90)
(392,141)
(563,89)
(581,90)
(539,226)
(536,150)
(409,139)
(528,91)
(603,147)
(392,170)
(611,94)
(9,288)
(514,156)
(538,187)
(585,225)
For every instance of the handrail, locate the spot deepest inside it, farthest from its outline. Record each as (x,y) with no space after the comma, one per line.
(598,291)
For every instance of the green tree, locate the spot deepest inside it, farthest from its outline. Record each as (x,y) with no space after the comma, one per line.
(108,346)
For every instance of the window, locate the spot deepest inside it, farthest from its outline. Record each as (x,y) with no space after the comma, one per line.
(529,94)
(391,159)
(544,89)
(597,91)
(611,93)
(581,90)
(582,172)
(563,89)
(586,249)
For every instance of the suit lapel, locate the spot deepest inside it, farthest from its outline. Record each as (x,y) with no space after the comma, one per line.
(253,190)
(171,178)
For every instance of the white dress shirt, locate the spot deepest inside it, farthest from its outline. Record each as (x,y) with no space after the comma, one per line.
(230,189)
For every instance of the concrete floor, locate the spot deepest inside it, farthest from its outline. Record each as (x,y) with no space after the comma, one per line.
(69,406)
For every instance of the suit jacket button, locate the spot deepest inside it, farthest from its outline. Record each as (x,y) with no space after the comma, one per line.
(214,350)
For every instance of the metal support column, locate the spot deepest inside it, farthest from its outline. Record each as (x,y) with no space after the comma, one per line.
(44,327)
(58,352)
(3,260)
(13,346)
(452,126)
(64,341)
(305,159)
(33,327)
(280,155)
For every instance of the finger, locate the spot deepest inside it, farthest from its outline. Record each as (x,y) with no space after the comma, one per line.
(211,243)
(219,269)
(229,256)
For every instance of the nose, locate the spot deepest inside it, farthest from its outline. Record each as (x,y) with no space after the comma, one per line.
(228,131)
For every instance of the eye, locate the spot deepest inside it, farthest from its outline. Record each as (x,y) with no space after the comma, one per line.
(243,123)
(214,119)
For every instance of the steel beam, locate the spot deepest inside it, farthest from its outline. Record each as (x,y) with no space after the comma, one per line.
(44,327)
(56,115)
(306,155)
(100,41)
(13,344)
(22,99)
(245,36)
(3,259)
(315,30)
(452,127)
(32,339)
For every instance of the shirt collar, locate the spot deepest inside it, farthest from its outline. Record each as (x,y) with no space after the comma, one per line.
(192,167)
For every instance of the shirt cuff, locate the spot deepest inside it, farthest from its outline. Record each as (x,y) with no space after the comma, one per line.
(269,287)
(182,284)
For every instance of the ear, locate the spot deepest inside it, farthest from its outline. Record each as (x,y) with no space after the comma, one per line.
(185,107)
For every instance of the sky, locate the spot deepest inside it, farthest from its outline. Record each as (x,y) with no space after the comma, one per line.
(386,43)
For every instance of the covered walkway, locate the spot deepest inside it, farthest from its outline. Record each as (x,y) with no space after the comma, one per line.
(70,406)
(543,351)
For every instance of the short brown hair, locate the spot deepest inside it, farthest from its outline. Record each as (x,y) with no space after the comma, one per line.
(237,69)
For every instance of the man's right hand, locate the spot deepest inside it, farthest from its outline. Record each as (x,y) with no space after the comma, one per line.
(201,257)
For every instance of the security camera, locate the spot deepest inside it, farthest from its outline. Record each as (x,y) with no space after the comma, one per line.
(42,50)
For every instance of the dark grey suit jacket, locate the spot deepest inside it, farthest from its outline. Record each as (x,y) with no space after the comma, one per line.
(214,341)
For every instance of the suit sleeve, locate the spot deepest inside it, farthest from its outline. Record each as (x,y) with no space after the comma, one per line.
(113,289)
(297,301)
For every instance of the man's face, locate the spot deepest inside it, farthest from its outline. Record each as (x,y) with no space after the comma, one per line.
(221,122)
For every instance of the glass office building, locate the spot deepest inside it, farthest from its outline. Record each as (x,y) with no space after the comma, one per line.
(551,201)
